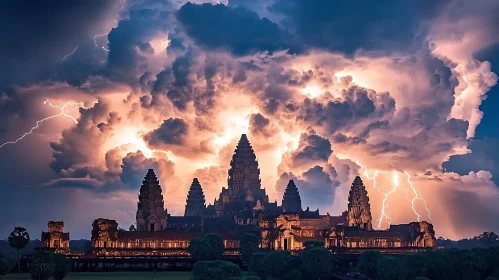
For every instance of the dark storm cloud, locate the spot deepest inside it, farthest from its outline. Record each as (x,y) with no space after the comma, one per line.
(372,126)
(135,166)
(310,183)
(312,147)
(171,132)
(260,125)
(439,140)
(127,43)
(73,149)
(342,138)
(386,147)
(36,35)
(179,82)
(271,106)
(358,103)
(236,29)
(350,25)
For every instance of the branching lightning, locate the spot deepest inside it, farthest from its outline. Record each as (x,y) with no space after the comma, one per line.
(95,41)
(65,111)
(395,184)
(105,34)
(417,195)
(69,54)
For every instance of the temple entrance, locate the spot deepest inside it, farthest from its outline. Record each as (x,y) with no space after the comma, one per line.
(285,244)
(56,243)
(105,244)
(152,227)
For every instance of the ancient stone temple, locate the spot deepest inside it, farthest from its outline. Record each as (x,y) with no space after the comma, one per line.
(291,201)
(151,212)
(195,203)
(243,206)
(359,209)
(56,238)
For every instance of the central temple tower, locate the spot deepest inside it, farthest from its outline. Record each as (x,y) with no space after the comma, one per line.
(243,192)
(359,209)
(244,173)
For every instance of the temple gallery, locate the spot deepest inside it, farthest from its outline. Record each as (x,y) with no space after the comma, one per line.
(244,207)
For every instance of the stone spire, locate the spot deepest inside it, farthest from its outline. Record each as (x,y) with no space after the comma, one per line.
(244,172)
(195,203)
(291,201)
(151,213)
(359,209)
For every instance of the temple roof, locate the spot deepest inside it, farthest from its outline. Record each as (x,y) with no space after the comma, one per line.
(358,193)
(150,184)
(244,172)
(195,202)
(291,201)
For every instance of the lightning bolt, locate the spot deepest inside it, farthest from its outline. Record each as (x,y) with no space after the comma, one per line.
(70,53)
(417,196)
(105,34)
(395,182)
(65,109)
(95,41)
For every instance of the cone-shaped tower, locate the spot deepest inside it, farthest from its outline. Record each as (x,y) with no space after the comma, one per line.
(151,213)
(244,172)
(291,201)
(359,209)
(195,204)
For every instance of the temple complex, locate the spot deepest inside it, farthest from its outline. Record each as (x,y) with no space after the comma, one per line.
(243,206)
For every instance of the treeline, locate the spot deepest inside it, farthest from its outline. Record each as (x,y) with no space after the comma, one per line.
(318,263)
(444,264)
(484,240)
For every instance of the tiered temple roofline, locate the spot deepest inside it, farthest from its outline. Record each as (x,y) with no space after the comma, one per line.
(195,203)
(359,209)
(151,212)
(291,201)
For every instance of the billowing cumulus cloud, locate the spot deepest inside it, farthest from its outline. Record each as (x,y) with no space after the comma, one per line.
(325,91)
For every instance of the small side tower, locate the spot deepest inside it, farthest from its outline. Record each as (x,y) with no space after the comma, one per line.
(359,209)
(56,238)
(291,201)
(195,204)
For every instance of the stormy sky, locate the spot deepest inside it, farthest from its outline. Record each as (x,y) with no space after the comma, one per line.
(402,93)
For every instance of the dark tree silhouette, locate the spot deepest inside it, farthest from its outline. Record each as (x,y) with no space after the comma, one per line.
(18,239)
(248,244)
(317,263)
(215,246)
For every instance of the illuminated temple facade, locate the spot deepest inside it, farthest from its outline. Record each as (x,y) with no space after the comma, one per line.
(243,206)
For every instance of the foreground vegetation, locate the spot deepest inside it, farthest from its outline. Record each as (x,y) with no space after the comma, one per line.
(111,275)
